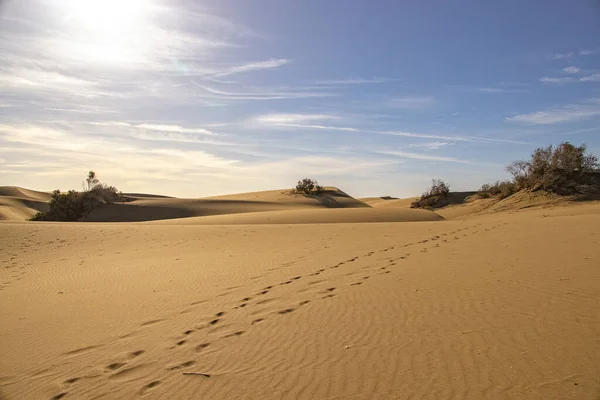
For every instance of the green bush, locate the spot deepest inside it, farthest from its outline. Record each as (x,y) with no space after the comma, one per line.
(499,189)
(560,170)
(73,205)
(437,196)
(308,186)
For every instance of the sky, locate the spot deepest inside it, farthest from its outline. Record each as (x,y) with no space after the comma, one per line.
(199,98)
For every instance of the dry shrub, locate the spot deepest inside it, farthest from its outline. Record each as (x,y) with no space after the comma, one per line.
(436,196)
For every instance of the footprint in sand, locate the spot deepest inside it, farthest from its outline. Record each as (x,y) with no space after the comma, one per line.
(238,333)
(201,347)
(114,366)
(136,353)
(147,388)
(182,365)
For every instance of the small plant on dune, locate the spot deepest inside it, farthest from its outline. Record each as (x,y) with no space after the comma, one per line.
(308,186)
(73,205)
(437,196)
(499,189)
(564,169)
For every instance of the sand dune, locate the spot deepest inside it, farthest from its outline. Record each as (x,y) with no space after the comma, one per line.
(317,216)
(14,191)
(272,200)
(388,202)
(20,204)
(496,306)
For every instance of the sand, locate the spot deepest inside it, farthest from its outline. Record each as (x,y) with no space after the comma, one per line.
(492,304)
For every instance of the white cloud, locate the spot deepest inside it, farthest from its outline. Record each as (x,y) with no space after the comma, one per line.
(174,128)
(571,70)
(427,136)
(566,79)
(399,133)
(320,127)
(275,119)
(255,66)
(428,157)
(492,90)
(571,54)
(411,102)
(568,113)
(257,93)
(591,78)
(354,81)
(155,127)
(428,145)
(569,79)
(560,56)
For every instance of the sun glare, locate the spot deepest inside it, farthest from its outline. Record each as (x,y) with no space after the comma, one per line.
(110,31)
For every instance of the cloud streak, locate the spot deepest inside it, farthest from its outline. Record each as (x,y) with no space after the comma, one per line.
(355,81)
(426,157)
(568,113)
(255,66)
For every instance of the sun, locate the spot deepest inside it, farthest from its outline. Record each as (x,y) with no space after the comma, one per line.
(105,15)
(109,31)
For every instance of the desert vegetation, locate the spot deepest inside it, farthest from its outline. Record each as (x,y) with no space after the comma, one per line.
(74,205)
(436,196)
(564,170)
(308,186)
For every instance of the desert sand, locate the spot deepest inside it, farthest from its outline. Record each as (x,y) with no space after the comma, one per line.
(268,296)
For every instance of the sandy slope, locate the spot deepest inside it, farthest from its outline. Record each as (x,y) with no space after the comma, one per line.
(20,204)
(313,216)
(499,306)
(388,202)
(272,200)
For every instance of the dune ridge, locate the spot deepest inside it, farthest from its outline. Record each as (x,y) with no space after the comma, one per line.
(265,207)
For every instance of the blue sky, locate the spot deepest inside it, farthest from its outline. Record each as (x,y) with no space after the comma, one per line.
(198,98)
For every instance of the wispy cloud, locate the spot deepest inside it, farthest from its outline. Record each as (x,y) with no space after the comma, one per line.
(411,102)
(258,93)
(275,119)
(565,79)
(428,145)
(156,127)
(319,127)
(428,157)
(499,88)
(568,113)
(560,56)
(355,81)
(571,54)
(492,90)
(591,78)
(255,66)
(569,79)
(438,138)
(571,70)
